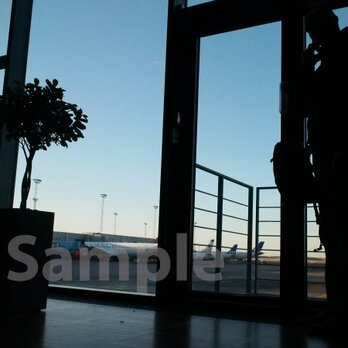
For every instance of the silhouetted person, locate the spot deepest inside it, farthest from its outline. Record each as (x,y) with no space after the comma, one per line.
(326,84)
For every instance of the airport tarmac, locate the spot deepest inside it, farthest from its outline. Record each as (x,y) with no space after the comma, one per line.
(263,280)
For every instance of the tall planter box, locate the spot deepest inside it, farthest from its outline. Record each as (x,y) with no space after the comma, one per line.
(16,226)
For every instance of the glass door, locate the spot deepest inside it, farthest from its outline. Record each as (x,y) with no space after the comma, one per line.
(238,125)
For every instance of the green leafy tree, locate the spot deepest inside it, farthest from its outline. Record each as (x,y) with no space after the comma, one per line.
(37,116)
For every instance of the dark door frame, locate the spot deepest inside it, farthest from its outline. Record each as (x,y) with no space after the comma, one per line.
(186,26)
(14,63)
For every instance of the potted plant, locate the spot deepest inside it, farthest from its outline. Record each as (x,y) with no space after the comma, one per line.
(36,117)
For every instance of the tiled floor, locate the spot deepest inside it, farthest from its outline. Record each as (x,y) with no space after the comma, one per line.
(76,324)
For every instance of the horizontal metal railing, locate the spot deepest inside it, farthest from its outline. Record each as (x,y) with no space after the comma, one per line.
(220,216)
(265,214)
(258,235)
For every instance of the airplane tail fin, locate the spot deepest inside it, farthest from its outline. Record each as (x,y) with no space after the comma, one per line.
(209,247)
(233,250)
(259,248)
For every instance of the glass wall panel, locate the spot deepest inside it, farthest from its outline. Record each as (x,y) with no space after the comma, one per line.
(238,125)
(104,189)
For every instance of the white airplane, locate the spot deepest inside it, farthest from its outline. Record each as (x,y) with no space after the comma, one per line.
(206,253)
(231,253)
(134,250)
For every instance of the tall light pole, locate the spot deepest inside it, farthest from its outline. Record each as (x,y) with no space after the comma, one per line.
(145,224)
(35,199)
(155,221)
(103,195)
(115,222)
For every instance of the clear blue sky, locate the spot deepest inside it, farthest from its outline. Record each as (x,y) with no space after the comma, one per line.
(109,56)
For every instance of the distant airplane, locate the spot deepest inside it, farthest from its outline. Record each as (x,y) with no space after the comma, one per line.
(136,250)
(204,254)
(133,249)
(243,255)
(73,246)
(231,253)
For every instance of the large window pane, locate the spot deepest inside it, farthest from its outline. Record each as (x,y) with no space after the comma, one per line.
(109,57)
(238,125)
